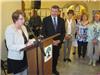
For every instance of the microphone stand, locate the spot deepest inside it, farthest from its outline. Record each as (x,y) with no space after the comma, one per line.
(37,44)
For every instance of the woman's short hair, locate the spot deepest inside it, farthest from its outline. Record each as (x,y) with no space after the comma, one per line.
(70,12)
(15,15)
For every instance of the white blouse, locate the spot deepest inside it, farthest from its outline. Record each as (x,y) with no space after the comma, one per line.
(69,26)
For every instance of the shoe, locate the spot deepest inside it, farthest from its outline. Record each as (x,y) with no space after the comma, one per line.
(90,62)
(79,56)
(74,53)
(68,59)
(65,60)
(56,72)
(83,57)
(94,63)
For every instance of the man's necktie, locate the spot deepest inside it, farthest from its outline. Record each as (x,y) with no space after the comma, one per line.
(54,23)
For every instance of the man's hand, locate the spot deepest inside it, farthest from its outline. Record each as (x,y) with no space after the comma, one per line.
(56,42)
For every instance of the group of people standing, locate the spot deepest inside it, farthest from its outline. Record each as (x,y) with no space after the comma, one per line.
(83,35)
(72,31)
(76,34)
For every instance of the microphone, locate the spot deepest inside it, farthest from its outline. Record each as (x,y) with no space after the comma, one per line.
(27,25)
(37,41)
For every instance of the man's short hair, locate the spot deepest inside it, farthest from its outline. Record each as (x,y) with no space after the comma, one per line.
(55,7)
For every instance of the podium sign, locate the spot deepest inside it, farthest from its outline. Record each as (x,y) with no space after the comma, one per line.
(48,52)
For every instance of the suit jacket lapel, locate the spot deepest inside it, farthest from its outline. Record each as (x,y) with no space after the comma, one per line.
(58,22)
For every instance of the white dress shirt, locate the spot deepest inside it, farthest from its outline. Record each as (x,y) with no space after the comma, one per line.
(55,19)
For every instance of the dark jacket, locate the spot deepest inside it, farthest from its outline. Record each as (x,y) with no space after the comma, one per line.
(35,24)
(48,28)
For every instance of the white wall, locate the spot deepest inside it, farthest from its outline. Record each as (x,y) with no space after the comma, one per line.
(0,34)
(7,8)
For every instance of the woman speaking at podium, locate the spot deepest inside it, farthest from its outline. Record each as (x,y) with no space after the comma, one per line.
(17,38)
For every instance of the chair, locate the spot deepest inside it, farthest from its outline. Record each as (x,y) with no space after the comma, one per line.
(4,62)
(4,66)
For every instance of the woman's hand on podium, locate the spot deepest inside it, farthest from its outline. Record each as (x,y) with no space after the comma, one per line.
(29,43)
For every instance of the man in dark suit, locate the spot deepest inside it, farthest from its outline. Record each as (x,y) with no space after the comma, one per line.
(35,23)
(52,25)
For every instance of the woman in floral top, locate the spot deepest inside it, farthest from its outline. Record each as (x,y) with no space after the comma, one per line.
(94,40)
(82,36)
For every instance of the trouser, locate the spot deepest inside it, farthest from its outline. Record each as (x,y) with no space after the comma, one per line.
(82,48)
(56,50)
(99,59)
(67,48)
(93,51)
(25,72)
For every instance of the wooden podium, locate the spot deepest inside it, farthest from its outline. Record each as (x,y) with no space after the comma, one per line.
(38,64)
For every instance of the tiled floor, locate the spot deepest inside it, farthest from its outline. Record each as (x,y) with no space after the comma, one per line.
(76,67)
